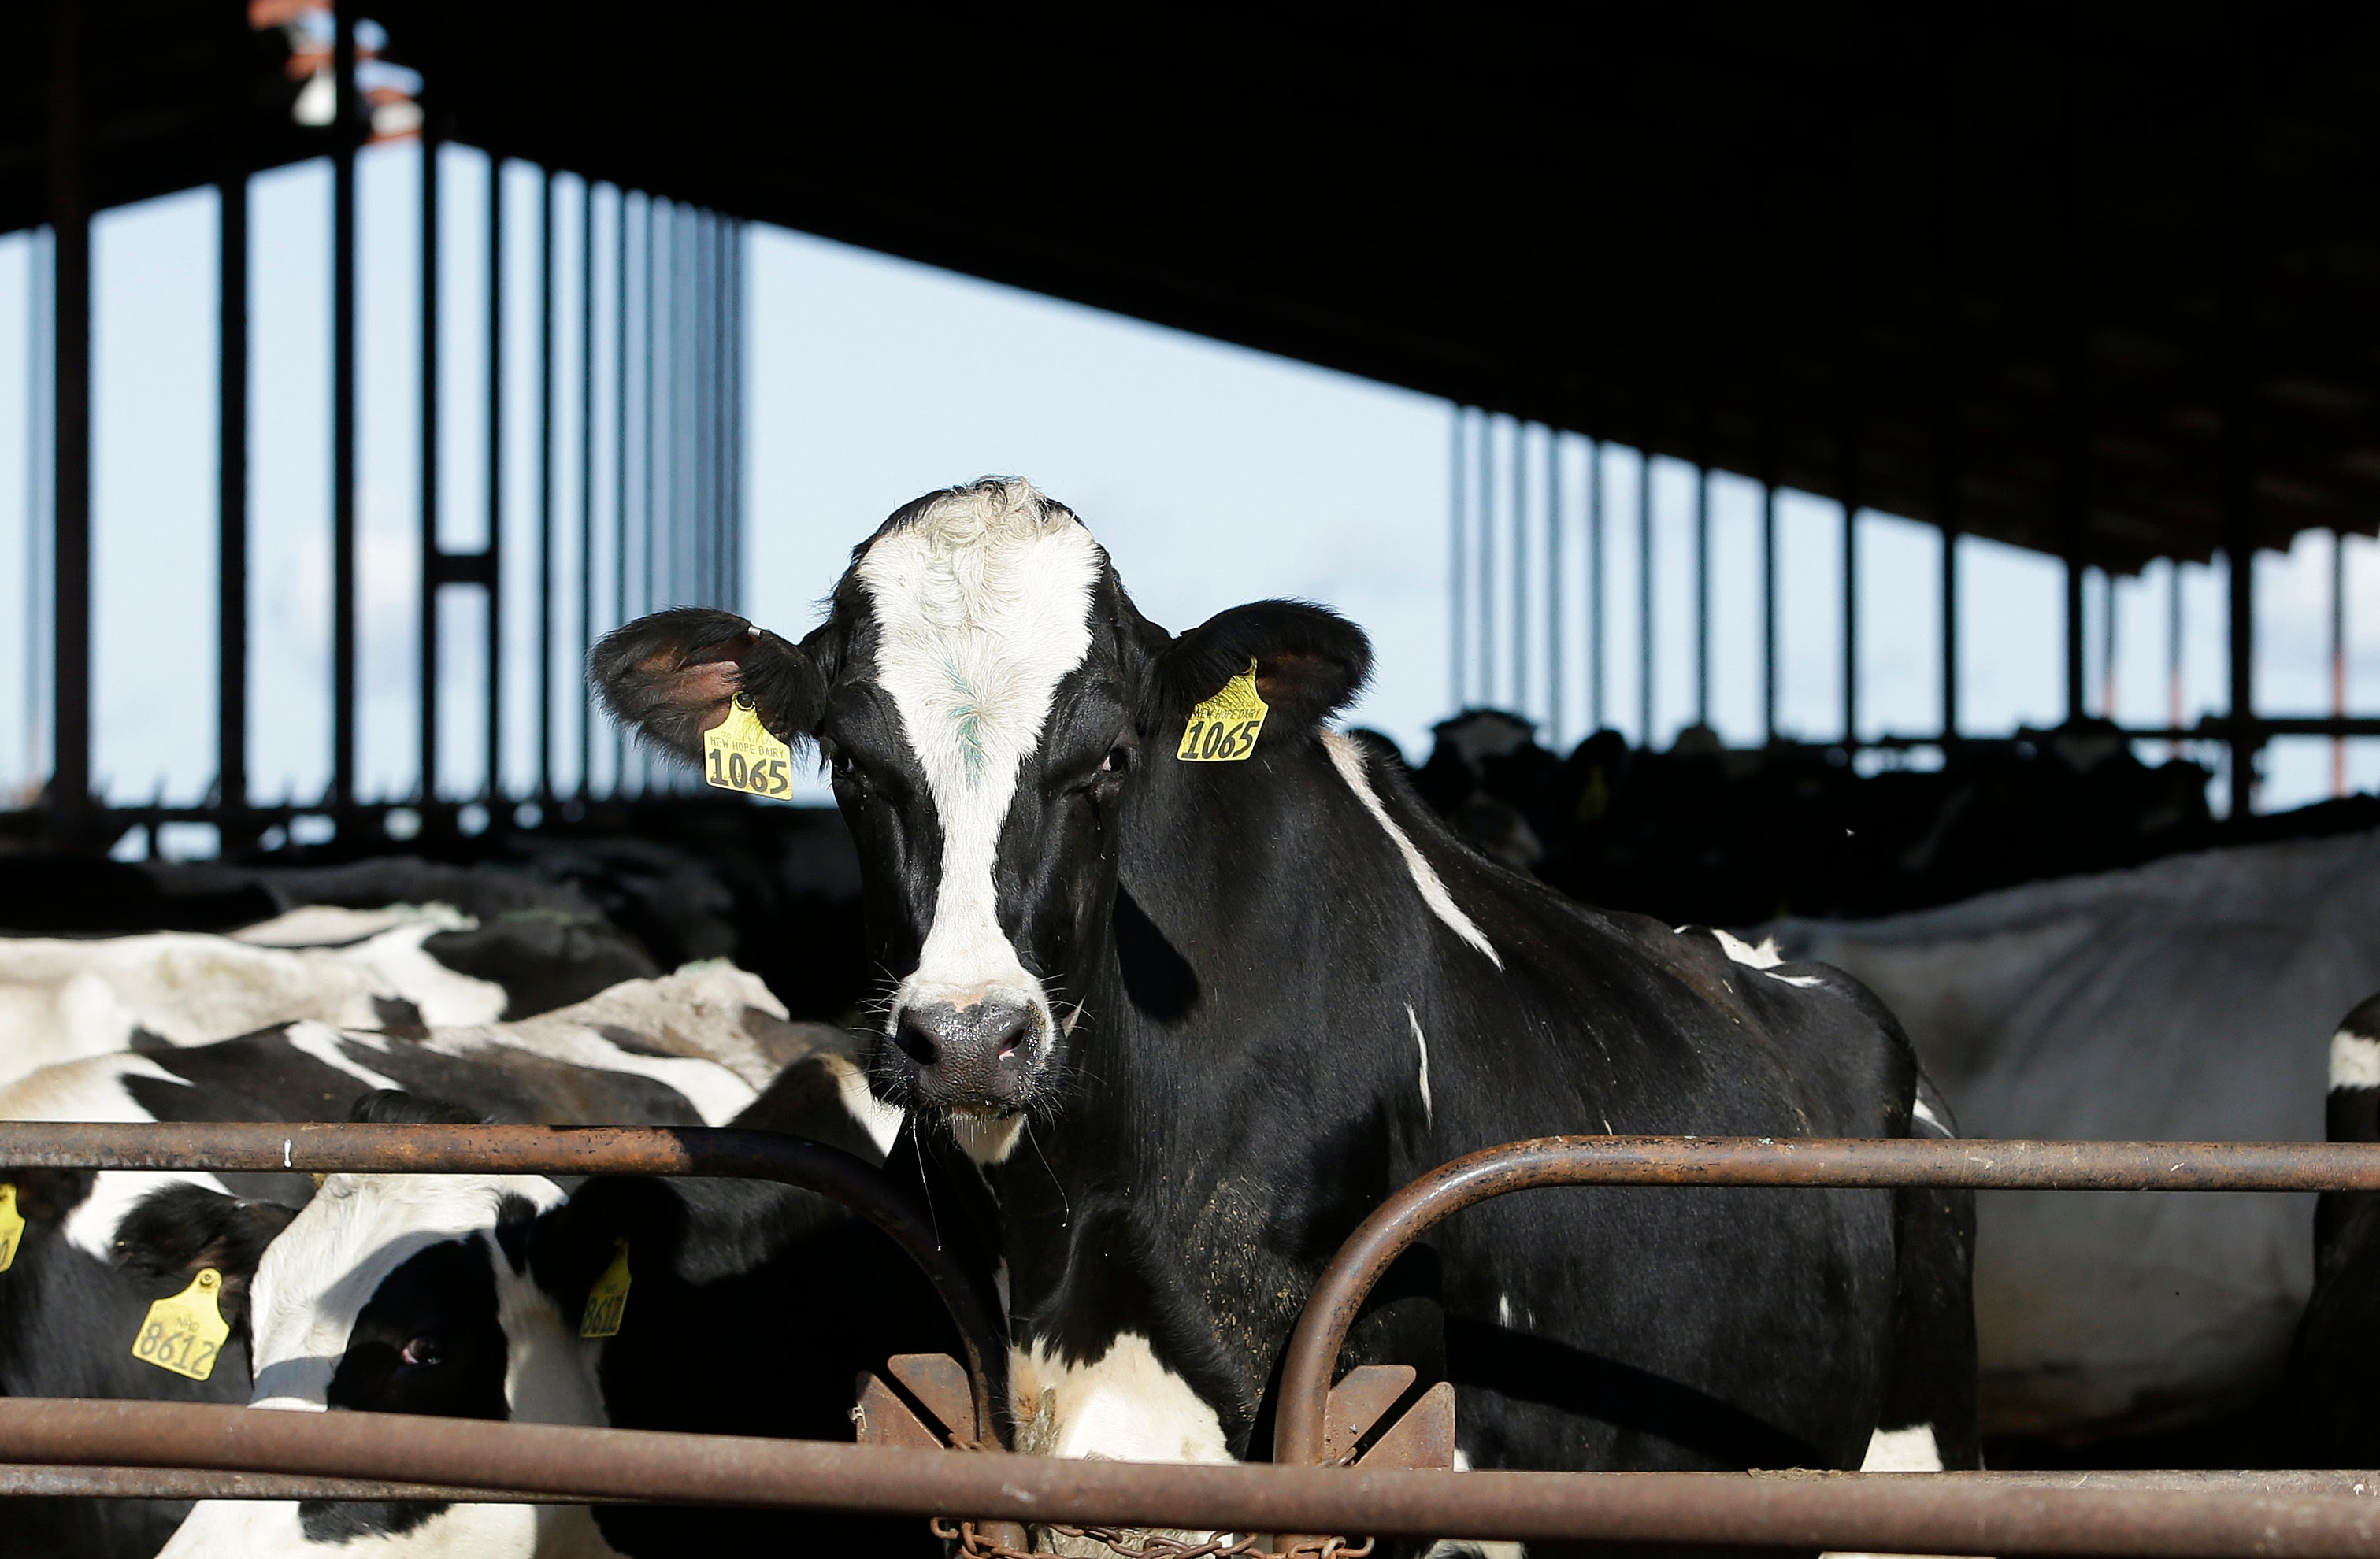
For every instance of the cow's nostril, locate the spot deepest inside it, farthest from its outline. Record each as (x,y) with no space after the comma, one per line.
(917,1040)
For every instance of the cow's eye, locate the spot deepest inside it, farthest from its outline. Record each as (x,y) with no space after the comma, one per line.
(1118,761)
(421,1351)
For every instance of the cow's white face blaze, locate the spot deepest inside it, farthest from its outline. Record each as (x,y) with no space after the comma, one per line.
(981,607)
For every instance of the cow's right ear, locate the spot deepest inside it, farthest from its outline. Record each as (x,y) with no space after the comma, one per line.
(672,676)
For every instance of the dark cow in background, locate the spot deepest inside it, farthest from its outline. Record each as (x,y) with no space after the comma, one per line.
(2189,999)
(694,1049)
(751,1309)
(1197,1017)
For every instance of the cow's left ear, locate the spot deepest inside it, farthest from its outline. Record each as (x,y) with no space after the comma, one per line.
(1310,662)
(179,1231)
(672,676)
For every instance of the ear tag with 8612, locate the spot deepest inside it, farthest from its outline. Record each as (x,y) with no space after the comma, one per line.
(607,1302)
(185,1332)
(12,1225)
(1224,729)
(738,754)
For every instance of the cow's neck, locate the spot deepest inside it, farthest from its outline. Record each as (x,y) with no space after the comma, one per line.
(1223,1127)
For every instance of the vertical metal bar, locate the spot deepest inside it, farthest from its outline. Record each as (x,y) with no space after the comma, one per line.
(1460,586)
(1702,595)
(586,472)
(619,452)
(69,790)
(1596,618)
(2338,658)
(1848,455)
(494,724)
(2107,645)
(649,397)
(1487,516)
(2072,414)
(428,690)
(735,428)
(1769,411)
(1949,414)
(544,786)
(343,410)
(2173,627)
(1553,589)
(1519,567)
(1644,595)
(231,482)
(700,351)
(2236,478)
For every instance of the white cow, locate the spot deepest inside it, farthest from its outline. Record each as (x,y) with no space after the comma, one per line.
(2190,998)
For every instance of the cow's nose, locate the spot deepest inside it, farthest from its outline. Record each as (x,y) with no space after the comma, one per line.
(974,1055)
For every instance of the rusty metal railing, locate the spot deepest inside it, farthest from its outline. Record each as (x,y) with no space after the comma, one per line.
(1874,1512)
(1879,1162)
(128,1447)
(675,1151)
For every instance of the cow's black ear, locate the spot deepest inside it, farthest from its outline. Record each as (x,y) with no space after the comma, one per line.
(571,1245)
(672,676)
(177,1231)
(1310,662)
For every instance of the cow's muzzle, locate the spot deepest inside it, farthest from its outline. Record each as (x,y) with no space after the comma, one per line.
(982,1056)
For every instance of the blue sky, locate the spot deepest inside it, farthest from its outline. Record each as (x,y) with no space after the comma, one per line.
(1214,475)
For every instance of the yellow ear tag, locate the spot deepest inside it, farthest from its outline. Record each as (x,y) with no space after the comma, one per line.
(608,1300)
(1224,729)
(738,754)
(12,1225)
(185,1333)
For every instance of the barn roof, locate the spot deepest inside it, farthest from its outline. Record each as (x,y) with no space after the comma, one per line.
(2071,277)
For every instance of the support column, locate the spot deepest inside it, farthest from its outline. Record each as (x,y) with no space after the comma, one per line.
(344,124)
(69,787)
(1457,575)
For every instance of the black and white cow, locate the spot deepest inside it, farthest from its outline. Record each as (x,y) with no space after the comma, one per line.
(2332,1398)
(1195,1019)
(693,1049)
(751,1309)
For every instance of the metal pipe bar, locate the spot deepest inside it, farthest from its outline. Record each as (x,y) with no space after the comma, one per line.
(586,474)
(426,696)
(2236,475)
(1596,616)
(1460,586)
(1519,567)
(1486,473)
(1702,595)
(543,659)
(1876,1512)
(51,1482)
(69,787)
(1553,590)
(344,141)
(2338,658)
(40,1479)
(716,1151)
(1644,593)
(1397,1223)
(493,734)
(231,481)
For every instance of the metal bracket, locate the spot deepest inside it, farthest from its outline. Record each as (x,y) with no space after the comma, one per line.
(939,1384)
(1421,1437)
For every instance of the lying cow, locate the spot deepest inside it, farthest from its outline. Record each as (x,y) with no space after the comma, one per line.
(1200,983)
(750,1310)
(403,966)
(694,1049)
(2187,1000)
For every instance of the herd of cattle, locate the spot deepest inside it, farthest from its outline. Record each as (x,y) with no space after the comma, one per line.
(1152,1028)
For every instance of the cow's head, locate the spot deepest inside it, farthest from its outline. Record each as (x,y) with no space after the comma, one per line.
(983,690)
(408,1294)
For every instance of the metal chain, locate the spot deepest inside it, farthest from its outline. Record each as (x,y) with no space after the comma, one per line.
(1130,1545)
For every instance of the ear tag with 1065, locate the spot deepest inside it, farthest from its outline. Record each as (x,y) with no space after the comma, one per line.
(738,754)
(607,1302)
(1224,729)
(12,1225)
(185,1332)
